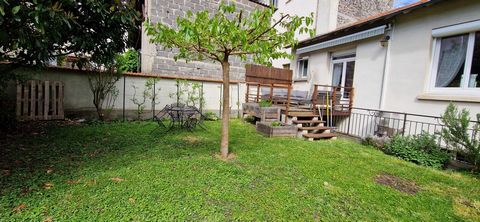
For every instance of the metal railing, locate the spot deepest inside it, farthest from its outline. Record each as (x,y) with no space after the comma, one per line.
(362,123)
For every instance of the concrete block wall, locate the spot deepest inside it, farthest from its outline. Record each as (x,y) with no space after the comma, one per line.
(350,11)
(156,59)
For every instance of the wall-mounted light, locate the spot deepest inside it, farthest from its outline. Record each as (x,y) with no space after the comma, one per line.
(384,41)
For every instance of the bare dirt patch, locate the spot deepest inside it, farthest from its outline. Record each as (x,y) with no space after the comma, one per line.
(192,139)
(400,184)
(230,157)
(466,208)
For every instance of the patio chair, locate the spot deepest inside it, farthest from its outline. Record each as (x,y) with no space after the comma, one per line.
(160,116)
(197,118)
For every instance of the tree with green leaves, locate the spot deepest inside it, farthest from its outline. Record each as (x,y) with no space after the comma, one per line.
(33,32)
(128,61)
(226,33)
(458,135)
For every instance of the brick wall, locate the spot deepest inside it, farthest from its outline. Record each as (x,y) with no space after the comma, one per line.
(352,10)
(161,60)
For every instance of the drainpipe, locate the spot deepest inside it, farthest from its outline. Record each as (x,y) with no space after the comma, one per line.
(386,69)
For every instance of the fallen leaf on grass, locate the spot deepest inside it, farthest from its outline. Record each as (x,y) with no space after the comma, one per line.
(47,186)
(117,179)
(25,190)
(48,219)
(71,182)
(131,200)
(92,182)
(49,170)
(19,208)
(5,172)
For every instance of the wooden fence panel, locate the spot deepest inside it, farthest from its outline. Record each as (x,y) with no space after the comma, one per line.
(40,100)
(268,75)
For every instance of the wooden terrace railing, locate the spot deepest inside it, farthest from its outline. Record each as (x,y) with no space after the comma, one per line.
(256,95)
(338,98)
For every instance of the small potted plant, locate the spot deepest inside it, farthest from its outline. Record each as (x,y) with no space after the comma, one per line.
(276,129)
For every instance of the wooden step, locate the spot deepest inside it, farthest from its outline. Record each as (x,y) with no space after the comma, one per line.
(314,128)
(307,121)
(309,114)
(319,135)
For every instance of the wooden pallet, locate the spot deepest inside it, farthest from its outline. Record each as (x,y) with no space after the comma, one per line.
(40,100)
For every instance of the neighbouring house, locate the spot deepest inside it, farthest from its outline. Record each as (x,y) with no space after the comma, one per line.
(413,59)
(328,15)
(156,59)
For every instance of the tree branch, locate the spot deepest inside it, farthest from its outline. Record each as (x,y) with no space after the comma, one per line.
(268,30)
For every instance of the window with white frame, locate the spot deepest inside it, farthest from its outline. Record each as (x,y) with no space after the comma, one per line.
(456,64)
(302,68)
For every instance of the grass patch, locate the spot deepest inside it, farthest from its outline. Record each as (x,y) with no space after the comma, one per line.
(122,172)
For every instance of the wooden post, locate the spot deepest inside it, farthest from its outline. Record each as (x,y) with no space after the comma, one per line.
(19,100)
(350,104)
(25,100)
(258,93)
(314,97)
(334,98)
(40,100)
(46,107)
(54,99)
(288,102)
(32,99)
(247,93)
(271,92)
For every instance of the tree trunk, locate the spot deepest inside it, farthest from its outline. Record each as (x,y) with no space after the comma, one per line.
(226,109)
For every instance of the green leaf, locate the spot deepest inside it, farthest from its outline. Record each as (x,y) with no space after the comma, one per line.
(15,9)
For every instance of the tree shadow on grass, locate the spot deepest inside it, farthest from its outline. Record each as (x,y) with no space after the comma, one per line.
(63,153)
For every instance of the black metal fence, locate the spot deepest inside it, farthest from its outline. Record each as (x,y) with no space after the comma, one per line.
(370,122)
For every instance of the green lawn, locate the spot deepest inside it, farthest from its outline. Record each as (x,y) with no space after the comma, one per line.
(121,172)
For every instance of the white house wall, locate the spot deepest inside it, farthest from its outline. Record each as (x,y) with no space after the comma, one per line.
(369,63)
(411,56)
(369,66)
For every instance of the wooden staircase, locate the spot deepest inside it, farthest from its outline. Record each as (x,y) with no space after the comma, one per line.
(310,127)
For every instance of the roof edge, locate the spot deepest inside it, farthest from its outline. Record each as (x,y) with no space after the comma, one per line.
(369,22)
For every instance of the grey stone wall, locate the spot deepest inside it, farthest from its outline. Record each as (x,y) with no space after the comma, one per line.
(166,11)
(353,10)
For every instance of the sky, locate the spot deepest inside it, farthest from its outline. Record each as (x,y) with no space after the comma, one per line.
(400,3)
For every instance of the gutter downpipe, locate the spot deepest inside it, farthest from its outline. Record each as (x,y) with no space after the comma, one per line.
(386,69)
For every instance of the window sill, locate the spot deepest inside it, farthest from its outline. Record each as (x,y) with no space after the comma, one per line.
(447,97)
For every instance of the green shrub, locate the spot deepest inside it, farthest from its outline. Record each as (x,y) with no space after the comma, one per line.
(210,116)
(128,61)
(420,149)
(265,103)
(274,124)
(458,136)
(249,119)
(375,141)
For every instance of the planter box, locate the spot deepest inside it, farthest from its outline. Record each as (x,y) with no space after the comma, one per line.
(263,113)
(267,129)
